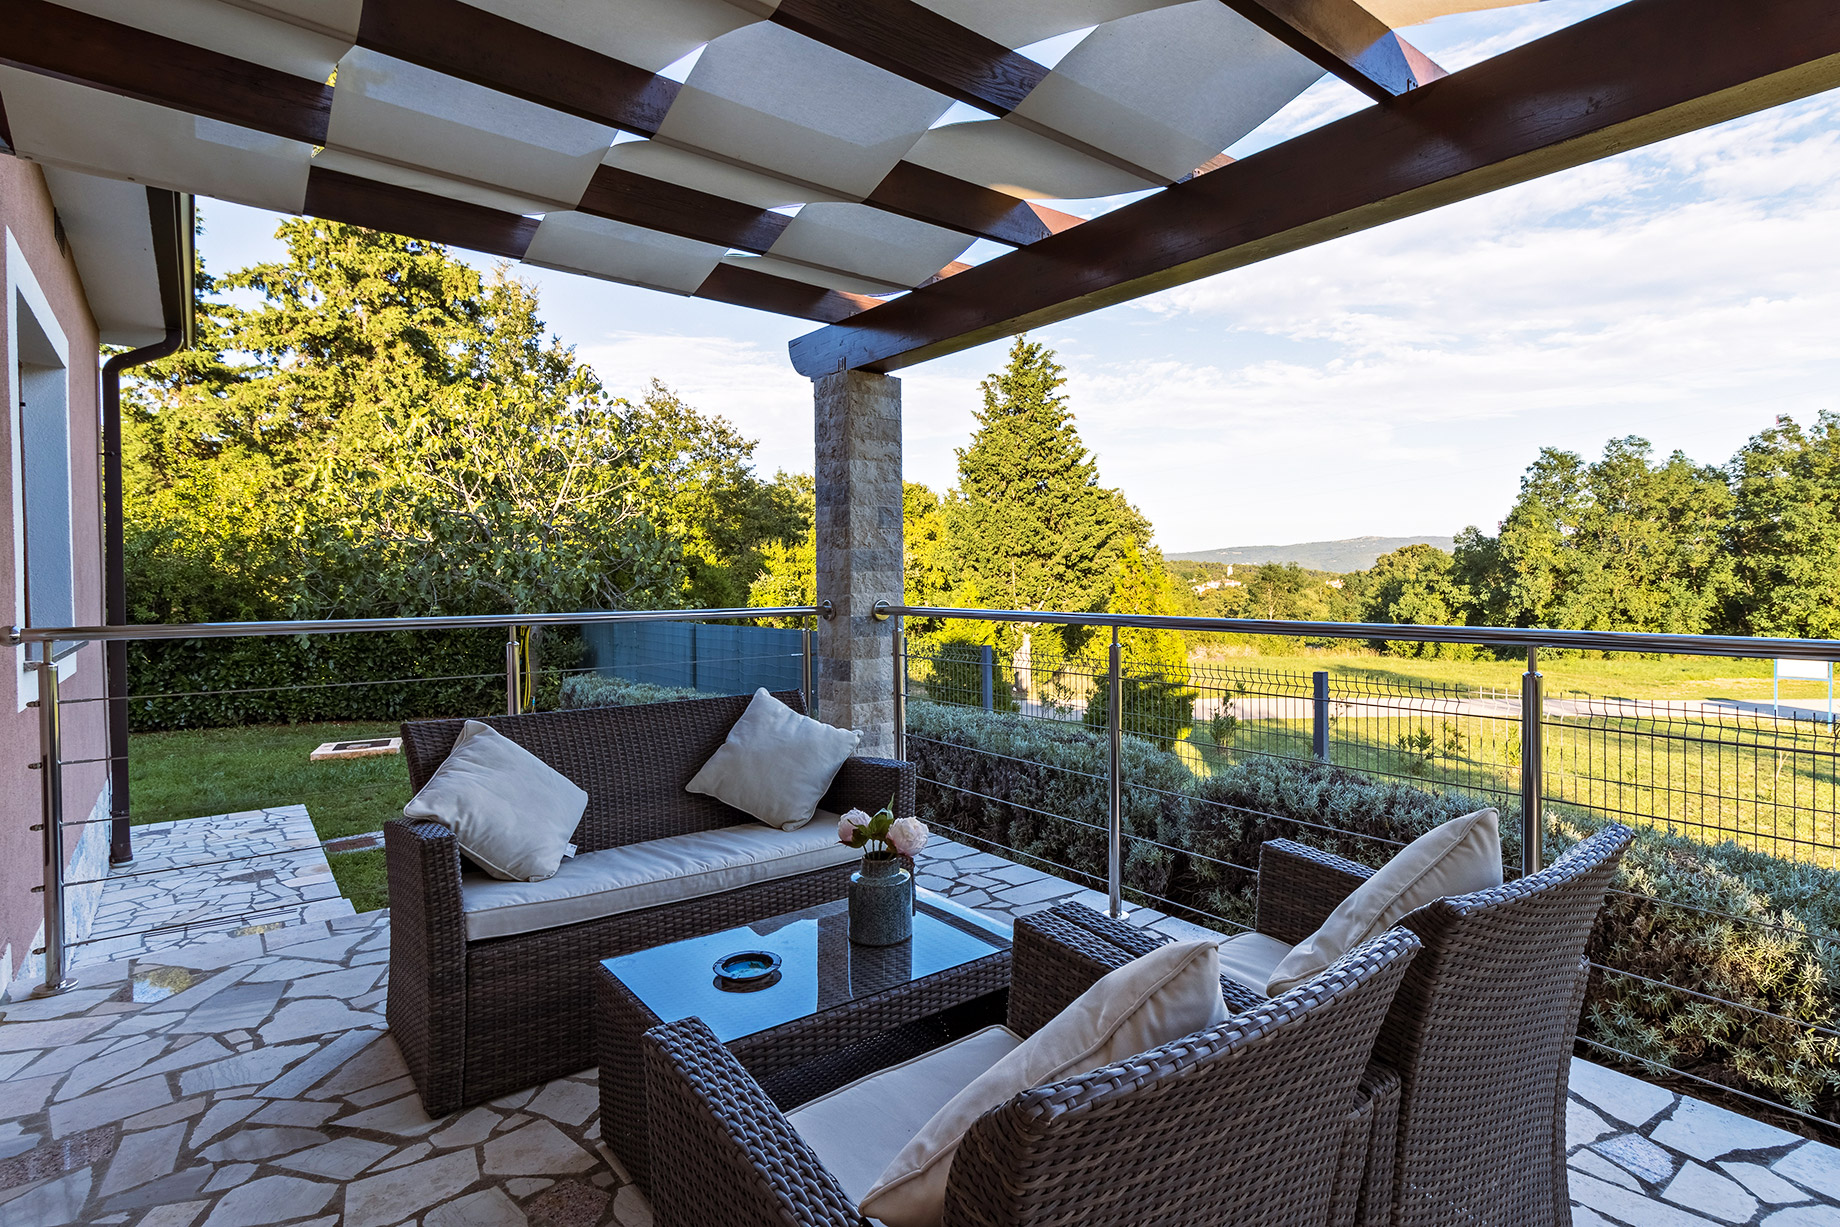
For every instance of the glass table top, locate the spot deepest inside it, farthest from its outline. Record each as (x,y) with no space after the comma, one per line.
(819,966)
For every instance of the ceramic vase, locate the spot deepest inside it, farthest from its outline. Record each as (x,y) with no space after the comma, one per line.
(881,902)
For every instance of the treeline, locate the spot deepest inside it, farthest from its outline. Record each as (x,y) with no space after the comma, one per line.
(1625,542)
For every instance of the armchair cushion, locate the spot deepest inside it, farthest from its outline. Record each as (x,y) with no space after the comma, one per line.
(776,764)
(1250,958)
(858,1129)
(1453,858)
(1153,1000)
(511,812)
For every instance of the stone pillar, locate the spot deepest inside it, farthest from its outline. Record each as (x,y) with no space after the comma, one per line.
(858,419)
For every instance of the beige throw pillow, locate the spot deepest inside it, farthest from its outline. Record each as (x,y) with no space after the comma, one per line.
(511,812)
(1171,992)
(776,764)
(1453,858)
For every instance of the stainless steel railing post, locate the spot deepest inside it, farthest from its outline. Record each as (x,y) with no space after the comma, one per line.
(1114,867)
(1533,765)
(900,689)
(51,753)
(514,698)
(807,640)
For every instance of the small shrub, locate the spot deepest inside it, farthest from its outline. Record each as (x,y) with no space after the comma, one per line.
(594,690)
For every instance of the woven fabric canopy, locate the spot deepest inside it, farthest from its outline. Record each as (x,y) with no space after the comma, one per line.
(663,143)
(834,159)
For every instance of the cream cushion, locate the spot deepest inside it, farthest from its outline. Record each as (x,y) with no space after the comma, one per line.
(858,1129)
(1453,858)
(1171,992)
(511,812)
(1250,958)
(635,876)
(776,764)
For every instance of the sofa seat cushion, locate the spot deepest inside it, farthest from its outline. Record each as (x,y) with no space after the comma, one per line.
(858,1129)
(1250,958)
(636,876)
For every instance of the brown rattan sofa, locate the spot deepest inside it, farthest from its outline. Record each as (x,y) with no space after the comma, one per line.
(1265,1118)
(479,1018)
(1481,1032)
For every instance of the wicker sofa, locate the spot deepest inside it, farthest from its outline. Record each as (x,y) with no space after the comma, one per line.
(490,989)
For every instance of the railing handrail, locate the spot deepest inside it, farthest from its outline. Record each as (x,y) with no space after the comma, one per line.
(343,626)
(1480,636)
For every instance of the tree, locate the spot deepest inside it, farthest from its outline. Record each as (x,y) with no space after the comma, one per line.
(1618,544)
(1785,530)
(1029,524)
(1413,586)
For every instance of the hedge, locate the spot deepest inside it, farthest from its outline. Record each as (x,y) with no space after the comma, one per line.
(1669,918)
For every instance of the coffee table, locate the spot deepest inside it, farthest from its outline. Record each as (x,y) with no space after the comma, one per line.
(836,1012)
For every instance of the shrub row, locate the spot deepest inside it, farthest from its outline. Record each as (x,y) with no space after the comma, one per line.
(1741,926)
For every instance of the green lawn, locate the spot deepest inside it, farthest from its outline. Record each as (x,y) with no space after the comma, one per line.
(1627,677)
(194,773)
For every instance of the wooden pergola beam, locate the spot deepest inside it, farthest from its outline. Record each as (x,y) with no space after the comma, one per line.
(1636,74)
(1345,40)
(915,43)
(74,46)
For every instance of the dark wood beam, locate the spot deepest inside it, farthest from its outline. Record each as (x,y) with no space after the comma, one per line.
(504,55)
(624,196)
(1345,39)
(749,287)
(1639,73)
(339,197)
(73,46)
(927,195)
(913,42)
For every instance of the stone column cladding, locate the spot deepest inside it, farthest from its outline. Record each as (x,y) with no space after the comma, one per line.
(858,420)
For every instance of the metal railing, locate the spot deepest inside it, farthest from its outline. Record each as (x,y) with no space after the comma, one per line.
(1535,763)
(517,675)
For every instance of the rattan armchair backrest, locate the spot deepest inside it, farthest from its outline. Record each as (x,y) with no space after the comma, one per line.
(1481,1034)
(1240,1123)
(633,762)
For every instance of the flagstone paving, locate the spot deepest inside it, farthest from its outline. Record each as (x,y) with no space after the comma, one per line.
(250,1082)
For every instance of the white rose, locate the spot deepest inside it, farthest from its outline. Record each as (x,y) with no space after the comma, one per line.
(908,836)
(846,826)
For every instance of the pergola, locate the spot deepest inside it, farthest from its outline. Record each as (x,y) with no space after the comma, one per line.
(834,159)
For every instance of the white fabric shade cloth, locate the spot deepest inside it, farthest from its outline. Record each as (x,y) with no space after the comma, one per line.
(765,118)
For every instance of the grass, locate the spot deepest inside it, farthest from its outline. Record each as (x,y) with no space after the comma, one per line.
(1627,677)
(193,773)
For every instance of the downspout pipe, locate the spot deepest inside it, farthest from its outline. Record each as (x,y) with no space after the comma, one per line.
(170,215)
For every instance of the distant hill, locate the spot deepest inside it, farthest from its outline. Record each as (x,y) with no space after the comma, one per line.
(1352,554)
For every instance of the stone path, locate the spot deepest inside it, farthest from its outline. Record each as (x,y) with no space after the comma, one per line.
(249,1081)
(187,877)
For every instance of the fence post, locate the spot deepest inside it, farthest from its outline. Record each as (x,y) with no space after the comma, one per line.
(514,699)
(806,635)
(1319,715)
(1533,766)
(1114,868)
(50,743)
(900,690)
(986,665)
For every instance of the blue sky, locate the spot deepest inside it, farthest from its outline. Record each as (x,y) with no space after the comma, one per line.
(1393,382)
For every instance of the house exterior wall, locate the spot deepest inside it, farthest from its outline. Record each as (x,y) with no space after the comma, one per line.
(41,281)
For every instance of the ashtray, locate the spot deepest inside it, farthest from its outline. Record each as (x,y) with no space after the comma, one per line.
(747,971)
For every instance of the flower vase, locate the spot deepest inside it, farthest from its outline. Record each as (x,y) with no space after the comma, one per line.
(881,902)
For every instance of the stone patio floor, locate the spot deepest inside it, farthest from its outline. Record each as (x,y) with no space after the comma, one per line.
(248,1080)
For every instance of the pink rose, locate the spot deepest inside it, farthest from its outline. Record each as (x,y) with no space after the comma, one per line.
(846,826)
(908,836)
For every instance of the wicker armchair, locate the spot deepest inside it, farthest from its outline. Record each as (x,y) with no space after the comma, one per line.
(1248,1121)
(1481,1032)
(479,1019)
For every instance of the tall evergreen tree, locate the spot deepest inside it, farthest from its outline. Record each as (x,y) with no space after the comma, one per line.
(1029,524)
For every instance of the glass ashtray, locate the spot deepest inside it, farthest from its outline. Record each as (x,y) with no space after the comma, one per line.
(747,971)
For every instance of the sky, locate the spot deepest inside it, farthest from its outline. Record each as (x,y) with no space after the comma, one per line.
(1394,382)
